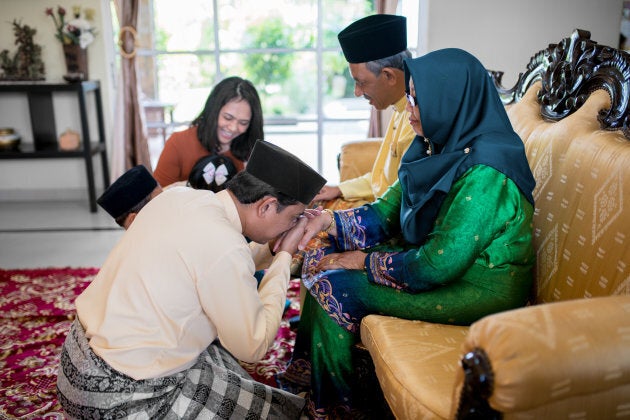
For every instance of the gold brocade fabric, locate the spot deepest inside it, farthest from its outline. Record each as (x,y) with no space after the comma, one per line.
(581,236)
(417,379)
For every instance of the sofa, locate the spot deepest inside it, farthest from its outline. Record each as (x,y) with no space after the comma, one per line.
(567,353)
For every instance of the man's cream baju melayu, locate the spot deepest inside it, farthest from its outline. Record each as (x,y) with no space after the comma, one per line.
(180,277)
(149,320)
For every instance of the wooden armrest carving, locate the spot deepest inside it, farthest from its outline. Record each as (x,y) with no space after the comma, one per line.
(570,71)
(478,385)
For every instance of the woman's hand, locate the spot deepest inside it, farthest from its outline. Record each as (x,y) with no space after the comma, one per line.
(318,220)
(290,239)
(349,260)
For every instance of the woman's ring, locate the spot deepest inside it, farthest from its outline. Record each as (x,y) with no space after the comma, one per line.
(331,262)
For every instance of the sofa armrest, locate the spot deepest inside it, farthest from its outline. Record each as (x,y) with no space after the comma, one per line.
(571,355)
(356,158)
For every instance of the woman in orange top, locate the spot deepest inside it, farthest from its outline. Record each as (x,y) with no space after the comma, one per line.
(230,123)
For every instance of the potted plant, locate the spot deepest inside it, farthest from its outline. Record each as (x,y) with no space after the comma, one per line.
(75,35)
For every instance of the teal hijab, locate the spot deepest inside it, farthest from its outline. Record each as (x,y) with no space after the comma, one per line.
(465,124)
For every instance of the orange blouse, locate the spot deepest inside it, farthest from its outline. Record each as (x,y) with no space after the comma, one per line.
(181,151)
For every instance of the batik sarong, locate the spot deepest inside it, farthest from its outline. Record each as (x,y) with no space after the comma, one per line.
(216,386)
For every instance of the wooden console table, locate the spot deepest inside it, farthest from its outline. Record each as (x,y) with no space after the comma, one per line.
(42,113)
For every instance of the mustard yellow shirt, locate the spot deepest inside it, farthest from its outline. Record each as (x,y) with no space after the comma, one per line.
(398,137)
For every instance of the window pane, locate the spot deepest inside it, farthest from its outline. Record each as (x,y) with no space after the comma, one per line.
(286,82)
(337,14)
(186,80)
(410,9)
(299,139)
(339,99)
(183,26)
(247,24)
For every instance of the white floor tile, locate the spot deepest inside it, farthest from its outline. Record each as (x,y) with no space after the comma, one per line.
(38,234)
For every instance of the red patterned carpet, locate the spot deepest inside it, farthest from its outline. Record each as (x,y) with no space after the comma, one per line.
(36,310)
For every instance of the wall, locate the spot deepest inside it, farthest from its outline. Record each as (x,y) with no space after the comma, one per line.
(54,178)
(503,34)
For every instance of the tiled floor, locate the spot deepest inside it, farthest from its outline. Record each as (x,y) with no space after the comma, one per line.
(37,234)
(41,234)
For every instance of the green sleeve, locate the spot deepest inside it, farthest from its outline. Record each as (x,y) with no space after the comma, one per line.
(483,222)
(387,208)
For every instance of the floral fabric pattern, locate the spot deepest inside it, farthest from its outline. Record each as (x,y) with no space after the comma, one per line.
(382,267)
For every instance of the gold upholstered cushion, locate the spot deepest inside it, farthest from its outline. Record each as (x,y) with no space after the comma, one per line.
(357,157)
(415,363)
(562,360)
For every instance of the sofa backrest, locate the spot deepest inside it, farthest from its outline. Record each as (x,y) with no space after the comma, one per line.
(571,110)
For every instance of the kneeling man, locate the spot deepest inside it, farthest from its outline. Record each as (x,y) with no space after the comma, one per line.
(160,330)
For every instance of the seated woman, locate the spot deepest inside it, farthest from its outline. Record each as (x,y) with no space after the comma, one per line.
(229,125)
(450,242)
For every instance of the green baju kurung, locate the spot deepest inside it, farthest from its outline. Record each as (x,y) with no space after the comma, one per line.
(476,261)
(449,242)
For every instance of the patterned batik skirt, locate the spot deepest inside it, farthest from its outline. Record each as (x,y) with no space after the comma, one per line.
(216,386)
(323,360)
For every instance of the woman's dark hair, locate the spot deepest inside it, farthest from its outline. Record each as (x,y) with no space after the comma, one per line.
(229,89)
(205,175)
(248,189)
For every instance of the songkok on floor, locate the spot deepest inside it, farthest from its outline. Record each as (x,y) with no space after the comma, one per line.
(374,37)
(284,171)
(128,190)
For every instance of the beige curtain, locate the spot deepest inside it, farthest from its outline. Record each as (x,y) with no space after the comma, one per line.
(130,134)
(376,117)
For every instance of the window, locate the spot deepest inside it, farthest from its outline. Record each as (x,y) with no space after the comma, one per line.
(289,50)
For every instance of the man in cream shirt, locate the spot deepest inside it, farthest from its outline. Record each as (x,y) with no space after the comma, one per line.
(176,303)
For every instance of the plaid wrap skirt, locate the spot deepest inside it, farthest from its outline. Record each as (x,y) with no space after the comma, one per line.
(216,386)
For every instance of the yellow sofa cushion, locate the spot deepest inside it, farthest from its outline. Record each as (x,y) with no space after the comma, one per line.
(416,364)
(357,157)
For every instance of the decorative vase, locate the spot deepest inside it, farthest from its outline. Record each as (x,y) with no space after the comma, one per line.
(76,63)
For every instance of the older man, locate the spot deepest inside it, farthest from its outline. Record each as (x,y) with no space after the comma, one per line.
(375,47)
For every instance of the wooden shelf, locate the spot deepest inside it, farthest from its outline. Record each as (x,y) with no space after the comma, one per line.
(28,151)
(42,117)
